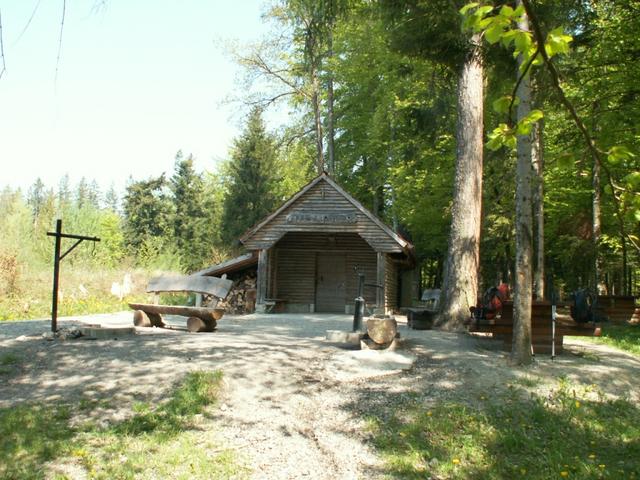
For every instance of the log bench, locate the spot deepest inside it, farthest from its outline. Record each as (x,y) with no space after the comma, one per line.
(200,319)
(501,327)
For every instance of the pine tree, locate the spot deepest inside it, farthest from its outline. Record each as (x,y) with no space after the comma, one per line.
(148,212)
(251,179)
(36,198)
(111,200)
(190,220)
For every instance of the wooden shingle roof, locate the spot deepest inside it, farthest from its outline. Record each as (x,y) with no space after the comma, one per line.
(322,205)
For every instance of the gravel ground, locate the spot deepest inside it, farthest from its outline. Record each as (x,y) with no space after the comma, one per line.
(294,405)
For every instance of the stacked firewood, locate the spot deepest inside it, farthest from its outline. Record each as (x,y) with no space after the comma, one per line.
(242,296)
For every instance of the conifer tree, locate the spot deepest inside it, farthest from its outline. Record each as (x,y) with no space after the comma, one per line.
(148,212)
(251,179)
(190,220)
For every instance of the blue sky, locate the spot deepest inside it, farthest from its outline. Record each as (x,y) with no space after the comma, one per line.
(137,81)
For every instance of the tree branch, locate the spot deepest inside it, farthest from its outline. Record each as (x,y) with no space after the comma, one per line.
(4,65)
(288,140)
(265,102)
(33,14)
(260,63)
(64,11)
(555,80)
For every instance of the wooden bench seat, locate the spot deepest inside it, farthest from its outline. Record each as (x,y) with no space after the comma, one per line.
(199,318)
(541,327)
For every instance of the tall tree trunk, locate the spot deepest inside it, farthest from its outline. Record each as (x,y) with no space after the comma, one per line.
(330,115)
(315,100)
(537,159)
(597,222)
(596,232)
(521,346)
(460,283)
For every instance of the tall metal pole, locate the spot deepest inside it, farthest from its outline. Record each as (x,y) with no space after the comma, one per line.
(56,276)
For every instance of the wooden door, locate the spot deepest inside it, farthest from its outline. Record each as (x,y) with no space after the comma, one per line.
(330,283)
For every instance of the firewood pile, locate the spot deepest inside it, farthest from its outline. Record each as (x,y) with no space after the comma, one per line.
(242,296)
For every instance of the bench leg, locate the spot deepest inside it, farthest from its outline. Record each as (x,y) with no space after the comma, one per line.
(145,319)
(141,319)
(197,324)
(156,320)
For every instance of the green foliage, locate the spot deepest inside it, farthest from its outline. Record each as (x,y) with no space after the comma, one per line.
(251,179)
(148,213)
(191,222)
(568,433)
(30,436)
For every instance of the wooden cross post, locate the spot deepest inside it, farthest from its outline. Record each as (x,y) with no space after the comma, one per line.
(57,258)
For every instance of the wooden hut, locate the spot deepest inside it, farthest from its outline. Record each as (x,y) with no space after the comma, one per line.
(311,249)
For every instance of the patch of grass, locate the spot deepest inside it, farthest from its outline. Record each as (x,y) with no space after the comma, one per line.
(7,362)
(527,381)
(83,291)
(7,359)
(156,442)
(30,436)
(625,337)
(511,435)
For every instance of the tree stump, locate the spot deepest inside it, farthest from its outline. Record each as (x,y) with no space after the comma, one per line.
(382,330)
(141,319)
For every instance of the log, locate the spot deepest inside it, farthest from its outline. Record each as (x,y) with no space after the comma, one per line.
(382,330)
(156,320)
(196,324)
(202,312)
(141,319)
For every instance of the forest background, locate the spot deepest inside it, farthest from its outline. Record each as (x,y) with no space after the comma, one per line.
(373,91)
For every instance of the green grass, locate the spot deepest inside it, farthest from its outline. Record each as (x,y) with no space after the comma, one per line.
(567,434)
(13,308)
(172,440)
(625,337)
(82,291)
(8,361)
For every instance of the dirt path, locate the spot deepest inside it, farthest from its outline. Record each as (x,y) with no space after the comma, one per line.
(293,405)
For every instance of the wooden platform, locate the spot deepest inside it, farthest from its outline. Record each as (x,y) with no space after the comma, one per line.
(541,326)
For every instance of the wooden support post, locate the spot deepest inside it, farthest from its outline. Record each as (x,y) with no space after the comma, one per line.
(56,277)
(263,276)
(380,292)
(57,258)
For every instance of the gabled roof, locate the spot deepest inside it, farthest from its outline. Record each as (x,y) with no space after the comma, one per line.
(404,244)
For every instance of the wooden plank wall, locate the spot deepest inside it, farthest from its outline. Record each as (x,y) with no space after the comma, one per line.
(296,276)
(390,285)
(619,309)
(295,254)
(320,199)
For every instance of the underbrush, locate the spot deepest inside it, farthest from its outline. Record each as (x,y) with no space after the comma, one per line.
(570,433)
(166,441)
(82,291)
